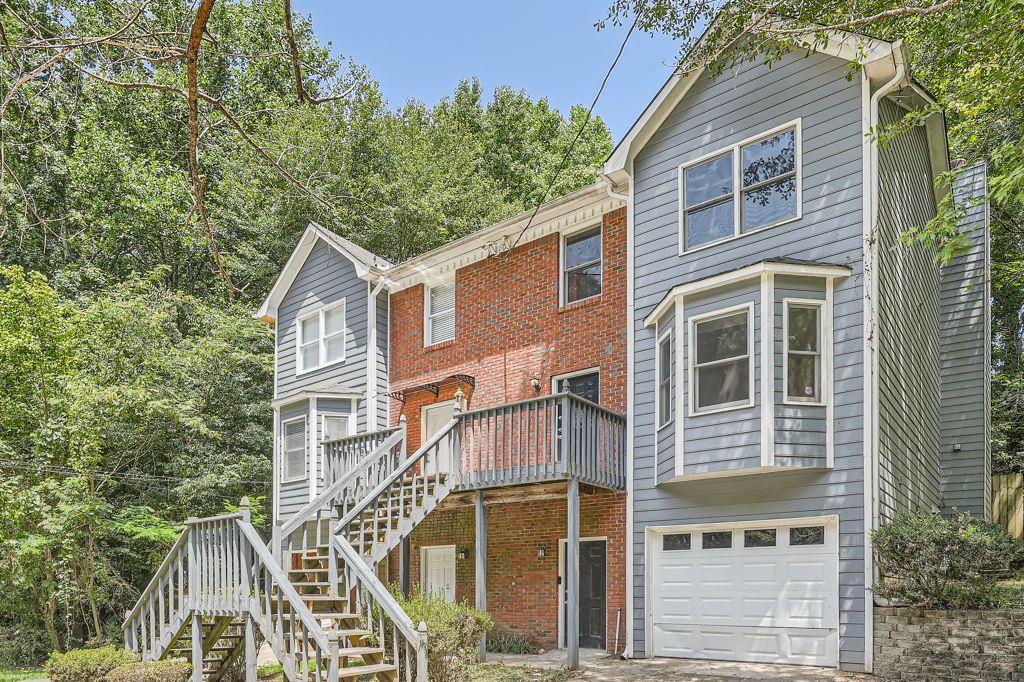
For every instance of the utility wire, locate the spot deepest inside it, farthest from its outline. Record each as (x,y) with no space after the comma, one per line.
(579,134)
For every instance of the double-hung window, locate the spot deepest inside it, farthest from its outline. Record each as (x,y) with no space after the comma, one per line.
(581,266)
(335,427)
(721,367)
(293,450)
(802,334)
(440,313)
(664,363)
(750,186)
(321,337)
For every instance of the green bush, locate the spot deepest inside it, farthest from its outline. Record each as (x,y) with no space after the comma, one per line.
(453,631)
(934,562)
(87,665)
(151,671)
(507,643)
(22,646)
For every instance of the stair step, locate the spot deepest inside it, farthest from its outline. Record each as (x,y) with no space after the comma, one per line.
(360,670)
(361,651)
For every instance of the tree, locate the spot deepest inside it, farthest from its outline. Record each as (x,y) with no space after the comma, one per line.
(967,54)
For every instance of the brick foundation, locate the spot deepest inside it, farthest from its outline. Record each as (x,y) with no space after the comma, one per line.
(522,588)
(940,646)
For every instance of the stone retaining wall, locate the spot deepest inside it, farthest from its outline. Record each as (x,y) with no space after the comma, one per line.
(958,646)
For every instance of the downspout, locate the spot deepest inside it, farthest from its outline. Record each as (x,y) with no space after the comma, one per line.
(871,433)
(372,394)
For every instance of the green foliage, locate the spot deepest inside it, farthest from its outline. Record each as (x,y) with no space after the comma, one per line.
(497,672)
(453,633)
(507,643)
(87,665)
(930,561)
(151,671)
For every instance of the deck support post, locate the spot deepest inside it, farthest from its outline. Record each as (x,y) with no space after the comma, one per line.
(572,577)
(251,652)
(403,567)
(197,648)
(481,566)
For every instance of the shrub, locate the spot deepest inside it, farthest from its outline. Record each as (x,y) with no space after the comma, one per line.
(151,671)
(930,561)
(453,631)
(22,646)
(87,665)
(507,643)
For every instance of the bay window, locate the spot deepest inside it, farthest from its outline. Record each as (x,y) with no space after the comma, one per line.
(802,334)
(721,365)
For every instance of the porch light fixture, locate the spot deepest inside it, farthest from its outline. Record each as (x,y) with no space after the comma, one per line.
(462,554)
(542,552)
(535,382)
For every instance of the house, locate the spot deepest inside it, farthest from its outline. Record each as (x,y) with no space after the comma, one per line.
(659,417)
(797,374)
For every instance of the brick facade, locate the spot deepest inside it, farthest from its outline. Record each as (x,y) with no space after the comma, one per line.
(949,646)
(509,329)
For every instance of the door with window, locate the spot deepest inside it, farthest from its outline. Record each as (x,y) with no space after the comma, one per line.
(434,418)
(586,385)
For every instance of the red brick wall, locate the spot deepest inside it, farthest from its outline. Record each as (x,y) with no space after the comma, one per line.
(522,588)
(509,328)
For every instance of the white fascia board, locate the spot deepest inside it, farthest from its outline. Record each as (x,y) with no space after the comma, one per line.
(749,272)
(843,44)
(369,271)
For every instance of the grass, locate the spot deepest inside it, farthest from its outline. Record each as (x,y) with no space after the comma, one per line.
(7,675)
(499,672)
(269,673)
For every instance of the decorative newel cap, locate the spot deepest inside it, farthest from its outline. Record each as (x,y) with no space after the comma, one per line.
(422,629)
(459,397)
(402,420)
(244,503)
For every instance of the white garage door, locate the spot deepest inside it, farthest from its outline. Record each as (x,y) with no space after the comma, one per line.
(765,593)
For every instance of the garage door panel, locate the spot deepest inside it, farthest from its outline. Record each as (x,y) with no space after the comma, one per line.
(764,604)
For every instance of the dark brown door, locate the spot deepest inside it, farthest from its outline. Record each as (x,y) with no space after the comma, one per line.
(593,620)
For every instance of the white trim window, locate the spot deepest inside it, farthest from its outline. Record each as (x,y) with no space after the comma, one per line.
(320,337)
(335,426)
(439,313)
(722,360)
(803,360)
(581,266)
(294,453)
(663,398)
(752,185)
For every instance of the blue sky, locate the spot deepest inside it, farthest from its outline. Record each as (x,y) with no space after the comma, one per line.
(548,48)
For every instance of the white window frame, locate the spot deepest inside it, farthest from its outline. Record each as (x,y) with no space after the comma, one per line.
(692,355)
(824,357)
(565,236)
(577,373)
(284,450)
(322,338)
(323,425)
(734,150)
(428,327)
(665,337)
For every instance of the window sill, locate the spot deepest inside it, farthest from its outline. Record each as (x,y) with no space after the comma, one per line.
(583,303)
(332,363)
(661,428)
(719,410)
(288,481)
(440,345)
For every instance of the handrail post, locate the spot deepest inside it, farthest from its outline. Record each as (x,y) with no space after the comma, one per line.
(194,579)
(455,462)
(332,556)
(421,653)
(334,669)
(564,433)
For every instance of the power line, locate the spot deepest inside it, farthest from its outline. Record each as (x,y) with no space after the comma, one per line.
(565,157)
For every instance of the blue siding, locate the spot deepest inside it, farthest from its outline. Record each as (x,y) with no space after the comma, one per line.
(719,111)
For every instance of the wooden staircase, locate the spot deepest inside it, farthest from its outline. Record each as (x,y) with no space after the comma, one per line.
(313,594)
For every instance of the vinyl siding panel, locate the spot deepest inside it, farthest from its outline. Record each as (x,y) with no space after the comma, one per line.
(908,327)
(719,111)
(965,481)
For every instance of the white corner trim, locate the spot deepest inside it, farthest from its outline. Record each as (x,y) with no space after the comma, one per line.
(828,371)
(630,399)
(314,448)
(768,369)
(680,388)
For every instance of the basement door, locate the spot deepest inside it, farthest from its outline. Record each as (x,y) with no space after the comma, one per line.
(593,586)
(439,571)
(765,592)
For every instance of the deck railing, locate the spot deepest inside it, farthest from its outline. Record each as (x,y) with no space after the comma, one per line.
(544,439)
(343,454)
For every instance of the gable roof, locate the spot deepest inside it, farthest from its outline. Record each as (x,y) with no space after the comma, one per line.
(368,265)
(843,44)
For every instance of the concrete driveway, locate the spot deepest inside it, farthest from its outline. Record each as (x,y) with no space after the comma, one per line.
(599,667)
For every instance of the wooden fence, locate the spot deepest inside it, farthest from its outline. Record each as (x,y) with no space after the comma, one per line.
(1008,503)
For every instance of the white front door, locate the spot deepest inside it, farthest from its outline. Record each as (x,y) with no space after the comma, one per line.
(439,571)
(767,593)
(434,417)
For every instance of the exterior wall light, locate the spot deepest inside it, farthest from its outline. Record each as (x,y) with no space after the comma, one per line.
(535,382)
(462,554)
(542,552)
